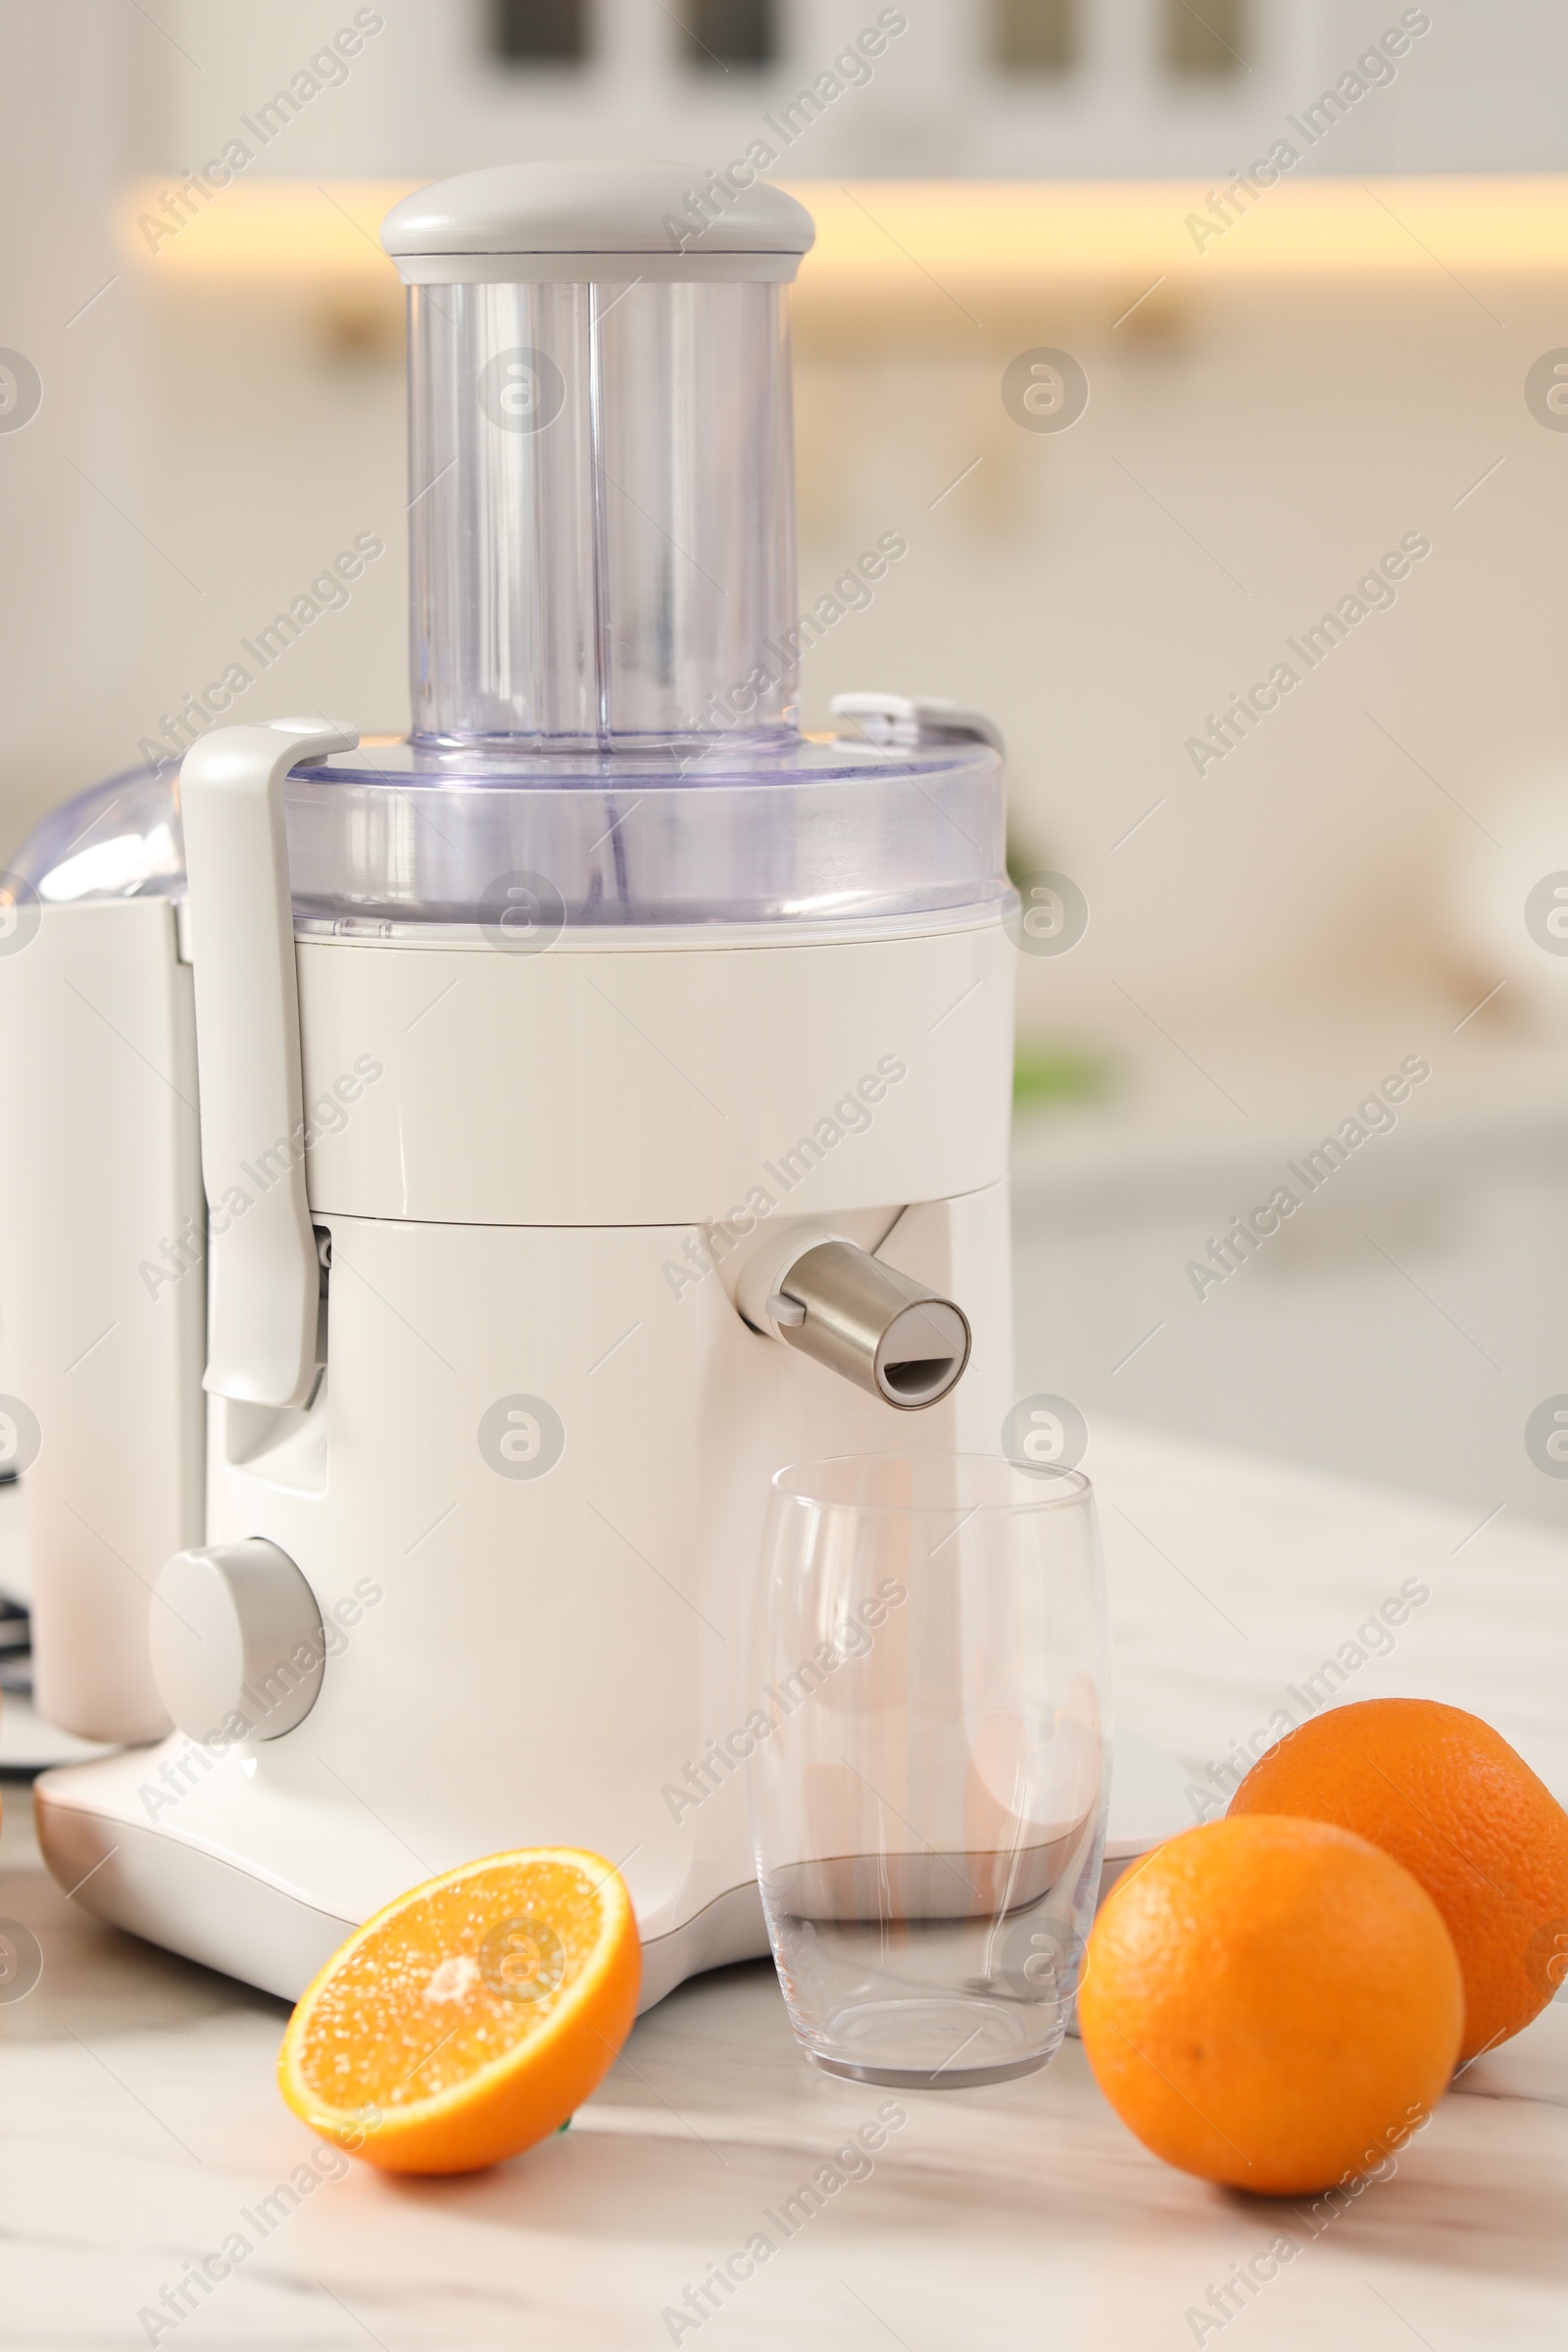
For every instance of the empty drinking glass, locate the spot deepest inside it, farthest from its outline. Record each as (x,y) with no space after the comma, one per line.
(928,1802)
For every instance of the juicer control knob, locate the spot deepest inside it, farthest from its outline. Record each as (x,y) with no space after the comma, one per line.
(235,1630)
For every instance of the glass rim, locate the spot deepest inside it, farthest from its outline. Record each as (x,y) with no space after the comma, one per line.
(1077,1483)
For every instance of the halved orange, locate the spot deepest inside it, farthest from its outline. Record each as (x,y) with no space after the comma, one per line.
(471,2017)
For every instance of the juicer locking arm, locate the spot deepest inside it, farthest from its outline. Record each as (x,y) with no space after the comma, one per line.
(903,721)
(263,1269)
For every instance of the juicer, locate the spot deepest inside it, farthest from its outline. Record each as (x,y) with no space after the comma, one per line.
(446,1179)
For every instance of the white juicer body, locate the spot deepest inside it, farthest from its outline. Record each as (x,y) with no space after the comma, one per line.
(537,1157)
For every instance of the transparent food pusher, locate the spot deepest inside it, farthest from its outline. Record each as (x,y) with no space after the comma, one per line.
(571,1114)
(603,528)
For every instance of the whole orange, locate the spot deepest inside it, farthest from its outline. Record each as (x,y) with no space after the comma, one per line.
(1270,2003)
(1444,1795)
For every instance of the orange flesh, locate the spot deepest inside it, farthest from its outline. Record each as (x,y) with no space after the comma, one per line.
(409,2015)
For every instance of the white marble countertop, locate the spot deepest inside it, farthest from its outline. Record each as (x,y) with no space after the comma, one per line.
(138,2117)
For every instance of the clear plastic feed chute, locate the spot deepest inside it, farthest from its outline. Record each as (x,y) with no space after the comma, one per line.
(605,631)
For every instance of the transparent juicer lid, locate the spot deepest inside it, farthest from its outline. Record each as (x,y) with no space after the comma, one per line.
(604,632)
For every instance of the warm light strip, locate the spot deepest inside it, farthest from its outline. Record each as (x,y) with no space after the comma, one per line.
(300,229)
(928,236)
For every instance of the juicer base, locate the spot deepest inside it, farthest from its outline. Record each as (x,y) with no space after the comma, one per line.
(205,1906)
(233,1913)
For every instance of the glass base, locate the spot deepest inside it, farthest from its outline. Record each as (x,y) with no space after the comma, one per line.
(948,2078)
(933,2043)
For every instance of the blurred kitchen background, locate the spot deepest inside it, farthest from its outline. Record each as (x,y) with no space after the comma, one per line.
(1285,382)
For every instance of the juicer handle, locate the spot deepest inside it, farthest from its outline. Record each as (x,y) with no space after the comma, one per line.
(263,1277)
